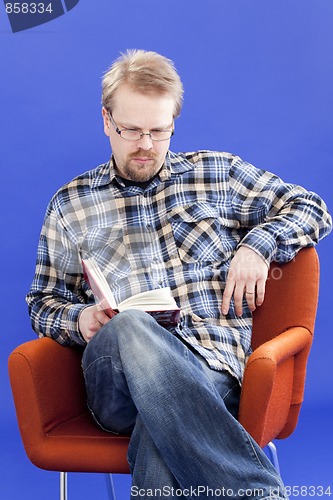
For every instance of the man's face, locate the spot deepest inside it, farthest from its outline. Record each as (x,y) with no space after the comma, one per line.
(139,160)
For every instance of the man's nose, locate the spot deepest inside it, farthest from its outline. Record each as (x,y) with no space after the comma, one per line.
(145,142)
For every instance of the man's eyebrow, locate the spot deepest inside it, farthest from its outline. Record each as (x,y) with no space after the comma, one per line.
(131,126)
(128,125)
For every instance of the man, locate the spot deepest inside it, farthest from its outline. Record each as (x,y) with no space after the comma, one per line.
(205,224)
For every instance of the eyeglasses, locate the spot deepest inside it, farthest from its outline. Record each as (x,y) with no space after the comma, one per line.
(132,134)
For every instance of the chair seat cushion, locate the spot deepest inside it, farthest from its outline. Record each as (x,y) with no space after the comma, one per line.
(79,445)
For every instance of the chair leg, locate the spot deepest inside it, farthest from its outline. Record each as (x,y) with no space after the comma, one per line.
(273,455)
(110,486)
(63,485)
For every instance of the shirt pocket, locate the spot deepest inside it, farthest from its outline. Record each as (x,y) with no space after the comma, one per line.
(197,232)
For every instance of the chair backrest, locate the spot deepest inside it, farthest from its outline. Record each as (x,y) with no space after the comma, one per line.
(291,297)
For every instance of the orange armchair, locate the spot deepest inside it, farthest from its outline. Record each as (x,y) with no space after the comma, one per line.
(59,434)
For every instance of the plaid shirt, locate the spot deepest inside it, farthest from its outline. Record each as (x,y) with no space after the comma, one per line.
(180,231)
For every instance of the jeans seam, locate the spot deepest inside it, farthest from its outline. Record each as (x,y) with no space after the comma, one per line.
(94,362)
(229,391)
(253,451)
(98,423)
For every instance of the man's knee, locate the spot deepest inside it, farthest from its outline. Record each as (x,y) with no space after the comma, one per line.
(130,320)
(130,324)
(127,327)
(116,338)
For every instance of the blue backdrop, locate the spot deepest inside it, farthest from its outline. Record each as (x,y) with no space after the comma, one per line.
(258,79)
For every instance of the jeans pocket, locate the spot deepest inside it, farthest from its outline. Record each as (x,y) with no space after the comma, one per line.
(232,398)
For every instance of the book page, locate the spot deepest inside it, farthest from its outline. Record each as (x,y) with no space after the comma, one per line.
(151,300)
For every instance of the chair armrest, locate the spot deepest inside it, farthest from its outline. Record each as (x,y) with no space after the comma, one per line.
(50,375)
(273,385)
(57,429)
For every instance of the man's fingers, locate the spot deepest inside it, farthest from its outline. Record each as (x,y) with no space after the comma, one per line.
(254,294)
(251,295)
(246,280)
(238,298)
(227,294)
(91,319)
(102,317)
(260,295)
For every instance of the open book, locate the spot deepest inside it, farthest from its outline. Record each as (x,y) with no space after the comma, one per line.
(159,303)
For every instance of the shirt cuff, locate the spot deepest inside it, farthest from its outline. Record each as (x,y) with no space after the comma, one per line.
(261,242)
(73,323)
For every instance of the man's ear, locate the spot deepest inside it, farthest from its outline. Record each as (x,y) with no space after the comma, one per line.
(106,121)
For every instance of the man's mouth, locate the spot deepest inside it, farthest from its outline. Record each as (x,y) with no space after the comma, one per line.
(142,159)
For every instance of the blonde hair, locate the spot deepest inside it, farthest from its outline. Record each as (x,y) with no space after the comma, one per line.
(146,72)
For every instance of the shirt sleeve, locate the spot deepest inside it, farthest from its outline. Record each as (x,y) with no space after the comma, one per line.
(281,218)
(58,292)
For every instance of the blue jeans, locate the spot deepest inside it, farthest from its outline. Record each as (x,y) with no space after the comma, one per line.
(185,439)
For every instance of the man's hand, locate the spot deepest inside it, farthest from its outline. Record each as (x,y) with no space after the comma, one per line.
(247,276)
(91,320)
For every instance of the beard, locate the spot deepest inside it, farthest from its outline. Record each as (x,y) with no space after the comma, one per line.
(140,171)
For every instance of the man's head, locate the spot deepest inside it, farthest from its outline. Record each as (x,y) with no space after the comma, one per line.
(145,72)
(142,95)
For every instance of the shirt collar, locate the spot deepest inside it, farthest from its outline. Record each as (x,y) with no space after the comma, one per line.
(174,164)
(103,175)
